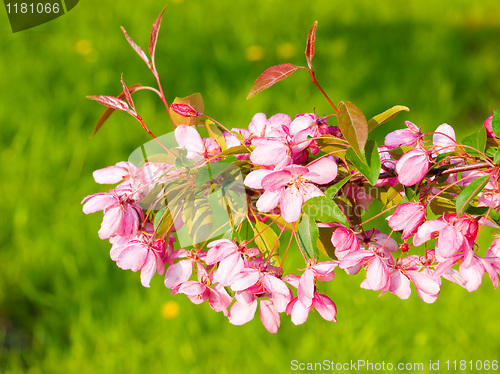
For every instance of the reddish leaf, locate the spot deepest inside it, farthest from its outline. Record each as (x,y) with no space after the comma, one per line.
(354,127)
(311,40)
(271,76)
(111,102)
(138,49)
(109,111)
(126,92)
(154,35)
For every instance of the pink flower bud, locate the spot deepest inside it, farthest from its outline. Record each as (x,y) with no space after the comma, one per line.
(412,167)
(489,127)
(185,110)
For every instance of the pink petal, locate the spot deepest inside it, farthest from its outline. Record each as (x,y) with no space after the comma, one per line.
(426,230)
(412,167)
(308,191)
(298,312)
(472,275)
(300,123)
(322,171)
(276,180)
(400,137)
(305,291)
(424,283)
(178,273)
(269,316)
(269,200)
(132,256)
(291,204)
(109,175)
(242,313)
(229,268)
(269,154)
(219,250)
(254,178)
(148,269)
(325,307)
(400,285)
(245,279)
(189,138)
(99,201)
(257,124)
(192,288)
(377,274)
(443,139)
(111,223)
(449,242)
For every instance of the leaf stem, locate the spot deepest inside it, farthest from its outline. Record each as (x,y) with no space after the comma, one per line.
(313,78)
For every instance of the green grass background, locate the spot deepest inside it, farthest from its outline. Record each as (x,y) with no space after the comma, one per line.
(64,305)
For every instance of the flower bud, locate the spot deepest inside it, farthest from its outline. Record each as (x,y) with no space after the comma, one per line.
(185,110)
(489,127)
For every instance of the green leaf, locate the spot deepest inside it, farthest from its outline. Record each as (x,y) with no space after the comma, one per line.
(410,193)
(352,123)
(237,150)
(470,192)
(370,165)
(324,209)
(162,223)
(332,191)
(441,157)
(325,243)
(308,234)
(477,210)
(477,141)
(385,116)
(216,134)
(496,159)
(267,242)
(495,123)
(495,216)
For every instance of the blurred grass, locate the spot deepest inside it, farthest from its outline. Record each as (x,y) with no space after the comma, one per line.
(65,307)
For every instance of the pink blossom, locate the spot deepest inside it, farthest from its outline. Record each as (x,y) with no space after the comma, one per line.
(408,137)
(229,257)
(406,271)
(203,289)
(444,139)
(375,262)
(472,272)
(292,186)
(322,303)
(259,278)
(187,137)
(140,253)
(243,311)
(412,167)
(345,241)
(181,271)
(450,240)
(322,271)
(121,215)
(407,217)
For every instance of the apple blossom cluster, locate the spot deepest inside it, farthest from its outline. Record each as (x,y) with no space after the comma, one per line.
(216,211)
